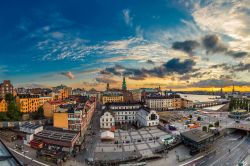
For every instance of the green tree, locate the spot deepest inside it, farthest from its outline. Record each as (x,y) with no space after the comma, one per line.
(217,124)
(199,118)
(39,114)
(9,98)
(13,112)
(3,116)
(210,125)
(204,128)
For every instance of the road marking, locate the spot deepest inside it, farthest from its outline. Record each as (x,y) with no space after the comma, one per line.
(28,157)
(227,153)
(191,161)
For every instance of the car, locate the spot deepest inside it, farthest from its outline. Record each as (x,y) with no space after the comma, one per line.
(237,121)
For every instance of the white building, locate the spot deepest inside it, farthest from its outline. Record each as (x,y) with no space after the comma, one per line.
(146,117)
(107,120)
(124,113)
(160,103)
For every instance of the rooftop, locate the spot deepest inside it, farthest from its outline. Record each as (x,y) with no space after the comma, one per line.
(63,135)
(30,126)
(196,135)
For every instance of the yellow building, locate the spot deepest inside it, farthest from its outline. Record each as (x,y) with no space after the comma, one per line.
(28,103)
(3,105)
(60,120)
(177,103)
(43,100)
(50,107)
(112,98)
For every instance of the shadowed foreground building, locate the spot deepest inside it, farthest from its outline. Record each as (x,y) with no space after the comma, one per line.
(197,140)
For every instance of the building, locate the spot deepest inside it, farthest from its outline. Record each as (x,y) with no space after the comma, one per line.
(146,117)
(44,99)
(3,105)
(197,140)
(49,107)
(112,98)
(136,95)
(160,103)
(29,130)
(60,138)
(128,113)
(187,103)
(5,88)
(74,117)
(107,120)
(27,102)
(124,85)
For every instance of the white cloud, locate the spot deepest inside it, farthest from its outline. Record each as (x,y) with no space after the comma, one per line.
(126,16)
(228,18)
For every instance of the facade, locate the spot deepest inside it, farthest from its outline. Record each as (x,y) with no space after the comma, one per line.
(136,95)
(49,107)
(160,103)
(146,117)
(5,88)
(27,103)
(187,103)
(3,105)
(44,99)
(169,102)
(128,113)
(112,98)
(107,120)
(74,117)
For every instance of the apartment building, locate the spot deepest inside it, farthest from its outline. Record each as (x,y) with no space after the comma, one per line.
(5,88)
(27,102)
(3,105)
(112,98)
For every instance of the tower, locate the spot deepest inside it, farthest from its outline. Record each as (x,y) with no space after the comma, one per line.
(124,86)
(107,88)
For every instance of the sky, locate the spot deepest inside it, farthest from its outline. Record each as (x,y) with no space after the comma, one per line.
(177,44)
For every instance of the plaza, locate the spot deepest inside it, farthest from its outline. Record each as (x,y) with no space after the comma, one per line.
(128,144)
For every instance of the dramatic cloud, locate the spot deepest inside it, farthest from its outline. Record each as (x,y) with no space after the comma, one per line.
(219,83)
(68,74)
(173,66)
(242,67)
(187,46)
(105,80)
(212,44)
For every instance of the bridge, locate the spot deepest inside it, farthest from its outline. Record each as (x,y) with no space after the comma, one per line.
(240,126)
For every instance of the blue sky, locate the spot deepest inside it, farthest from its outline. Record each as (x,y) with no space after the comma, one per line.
(89,43)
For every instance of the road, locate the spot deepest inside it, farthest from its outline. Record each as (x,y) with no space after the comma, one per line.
(25,159)
(230,150)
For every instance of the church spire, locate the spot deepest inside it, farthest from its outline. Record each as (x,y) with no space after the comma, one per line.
(124,85)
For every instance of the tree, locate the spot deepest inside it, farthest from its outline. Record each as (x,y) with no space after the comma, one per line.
(190,116)
(39,114)
(217,124)
(204,128)
(198,118)
(3,116)
(210,125)
(13,113)
(9,98)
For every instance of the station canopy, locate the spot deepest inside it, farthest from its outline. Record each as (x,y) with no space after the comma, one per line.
(107,135)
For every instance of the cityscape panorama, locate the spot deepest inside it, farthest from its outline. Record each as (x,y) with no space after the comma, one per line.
(125,83)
